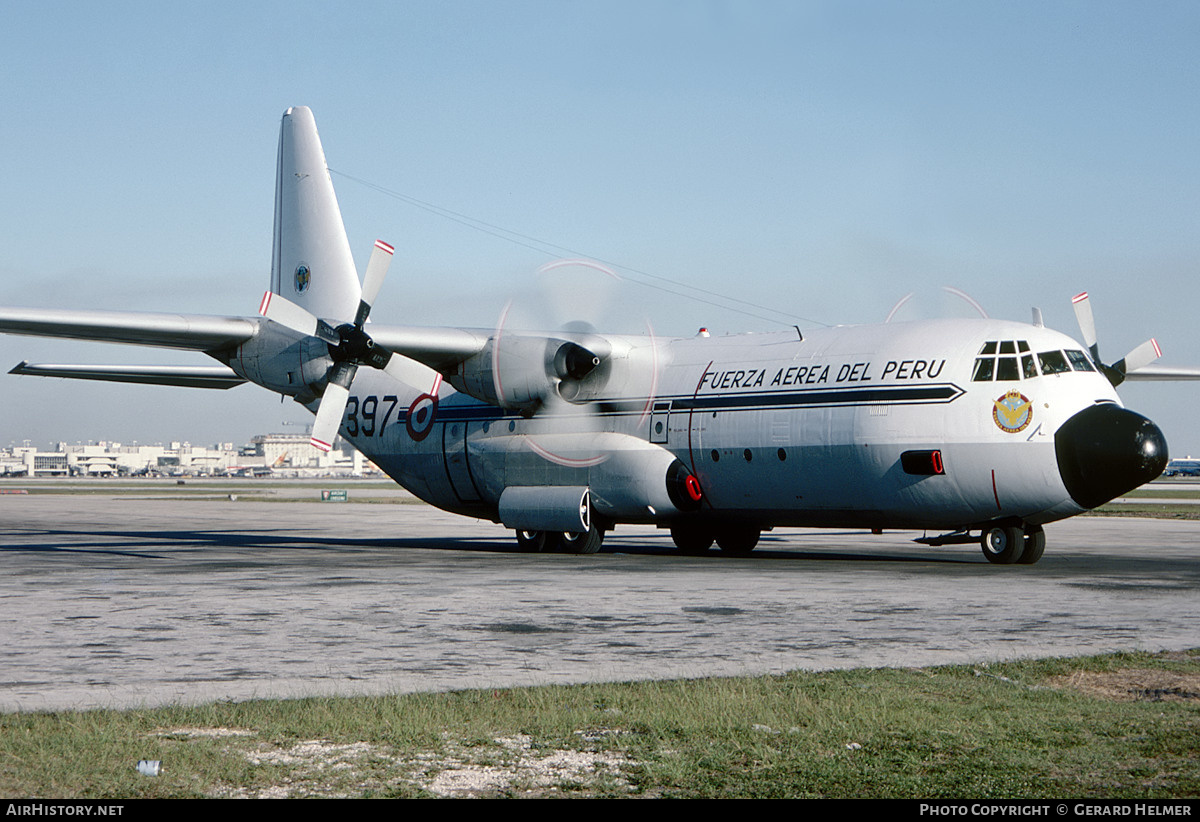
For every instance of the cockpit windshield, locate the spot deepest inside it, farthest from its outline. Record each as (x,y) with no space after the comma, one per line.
(1011,360)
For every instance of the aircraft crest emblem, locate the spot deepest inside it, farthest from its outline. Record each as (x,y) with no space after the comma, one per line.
(303,278)
(1012,412)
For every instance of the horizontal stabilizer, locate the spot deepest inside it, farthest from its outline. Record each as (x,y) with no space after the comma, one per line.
(191,332)
(189,376)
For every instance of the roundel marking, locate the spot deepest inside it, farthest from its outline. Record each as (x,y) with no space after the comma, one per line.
(1012,412)
(421,415)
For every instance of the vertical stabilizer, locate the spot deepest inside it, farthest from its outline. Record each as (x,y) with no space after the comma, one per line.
(311,264)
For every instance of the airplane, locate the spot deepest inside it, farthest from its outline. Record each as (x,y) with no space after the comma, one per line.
(979,430)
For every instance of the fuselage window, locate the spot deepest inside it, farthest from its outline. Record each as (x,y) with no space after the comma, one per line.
(1006,368)
(983,369)
(1053,362)
(1027,365)
(1080,361)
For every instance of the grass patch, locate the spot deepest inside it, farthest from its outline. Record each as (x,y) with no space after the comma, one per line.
(1114,726)
(1152,510)
(1163,492)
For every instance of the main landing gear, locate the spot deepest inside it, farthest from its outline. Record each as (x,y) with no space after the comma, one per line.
(1013,544)
(534,542)
(734,539)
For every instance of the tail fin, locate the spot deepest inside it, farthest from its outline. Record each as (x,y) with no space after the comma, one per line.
(311,263)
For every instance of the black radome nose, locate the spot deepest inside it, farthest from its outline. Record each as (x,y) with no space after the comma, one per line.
(1105,451)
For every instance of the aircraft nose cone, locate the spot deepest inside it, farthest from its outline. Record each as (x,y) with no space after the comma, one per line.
(1105,450)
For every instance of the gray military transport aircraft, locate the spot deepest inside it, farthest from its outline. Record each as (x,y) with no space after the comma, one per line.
(951,426)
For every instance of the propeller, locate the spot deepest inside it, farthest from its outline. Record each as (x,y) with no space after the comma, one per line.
(925,304)
(1116,373)
(564,378)
(349,344)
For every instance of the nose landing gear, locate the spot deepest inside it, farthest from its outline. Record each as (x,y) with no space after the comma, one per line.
(1013,544)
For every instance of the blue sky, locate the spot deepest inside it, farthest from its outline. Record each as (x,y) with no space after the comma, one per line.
(820,159)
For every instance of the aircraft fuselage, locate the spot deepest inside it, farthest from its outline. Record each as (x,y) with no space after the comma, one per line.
(941,425)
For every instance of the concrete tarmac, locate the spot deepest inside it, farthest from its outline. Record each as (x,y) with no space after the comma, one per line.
(109,601)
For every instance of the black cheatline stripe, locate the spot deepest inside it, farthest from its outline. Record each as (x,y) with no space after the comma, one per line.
(899,395)
(832,397)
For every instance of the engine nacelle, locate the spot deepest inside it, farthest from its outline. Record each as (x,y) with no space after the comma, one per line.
(521,372)
(277,359)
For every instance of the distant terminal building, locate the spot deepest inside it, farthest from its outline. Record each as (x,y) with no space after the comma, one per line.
(266,454)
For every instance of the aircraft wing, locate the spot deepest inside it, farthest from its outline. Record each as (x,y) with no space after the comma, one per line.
(442,349)
(191,332)
(191,376)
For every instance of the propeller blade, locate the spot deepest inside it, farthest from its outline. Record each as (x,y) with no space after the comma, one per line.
(411,372)
(1087,322)
(289,315)
(1139,357)
(377,267)
(333,405)
(285,312)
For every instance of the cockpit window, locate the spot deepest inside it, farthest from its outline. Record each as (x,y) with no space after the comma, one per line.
(1053,362)
(1028,367)
(1080,361)
(990,367)
(1006,368)
(983,369)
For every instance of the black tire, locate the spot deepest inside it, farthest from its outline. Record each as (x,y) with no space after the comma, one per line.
(738,540)
(532,542)
(1003,544)
(691,538)
(1035,545)
(587,542)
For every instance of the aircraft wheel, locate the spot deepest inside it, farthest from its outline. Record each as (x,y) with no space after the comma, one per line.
(532,542)
(1003,545)
(1035,544)
(587,542)
(691,538)
(738,540)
